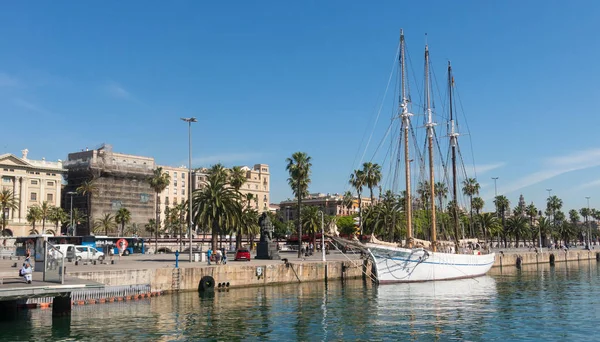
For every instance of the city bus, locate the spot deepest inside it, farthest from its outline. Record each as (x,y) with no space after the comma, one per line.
(108,244)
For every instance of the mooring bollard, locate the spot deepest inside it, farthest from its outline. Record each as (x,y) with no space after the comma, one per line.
(597,256)
(177,259)
(519,262)
(552,259)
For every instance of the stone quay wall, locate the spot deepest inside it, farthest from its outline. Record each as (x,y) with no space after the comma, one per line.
(529,258)
(170,279)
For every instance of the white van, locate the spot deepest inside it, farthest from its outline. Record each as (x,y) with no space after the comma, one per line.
(88,253)
(68,251)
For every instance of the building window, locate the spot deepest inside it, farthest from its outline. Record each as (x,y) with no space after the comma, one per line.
(174,183)
(183,175)
(47,174)
(256,186)
(175,201)
(183,184)
(183,192)
(174,174)
(167,201)
(33,196)
(50,198)
(5,180)
(50,183)
(54,174)
(34,182)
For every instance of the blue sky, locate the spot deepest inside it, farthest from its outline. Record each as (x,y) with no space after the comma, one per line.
(269,78)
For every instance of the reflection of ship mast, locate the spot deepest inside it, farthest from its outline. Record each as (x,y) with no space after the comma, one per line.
(405,127)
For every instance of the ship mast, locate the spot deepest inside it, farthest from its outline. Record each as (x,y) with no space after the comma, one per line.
(430,124)
(406,125)
(453,143)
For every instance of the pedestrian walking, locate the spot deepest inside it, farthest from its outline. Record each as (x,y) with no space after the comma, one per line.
(209,255)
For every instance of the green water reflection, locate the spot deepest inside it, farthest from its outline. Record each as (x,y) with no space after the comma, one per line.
(536,303)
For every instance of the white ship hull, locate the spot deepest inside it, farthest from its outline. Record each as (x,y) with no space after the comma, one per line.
(402,265)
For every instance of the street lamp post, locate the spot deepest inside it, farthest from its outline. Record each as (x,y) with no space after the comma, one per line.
(588,223)
(71,193)
(189,121)
(322,236)
(549,195)
(495,187)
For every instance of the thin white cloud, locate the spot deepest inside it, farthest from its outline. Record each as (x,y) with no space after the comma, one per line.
(30,106)
(591,184)
(481,169)
(553,167)
(227,159)
(9,81)
(116,90)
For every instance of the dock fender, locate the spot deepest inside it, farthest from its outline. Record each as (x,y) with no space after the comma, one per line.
(207,283)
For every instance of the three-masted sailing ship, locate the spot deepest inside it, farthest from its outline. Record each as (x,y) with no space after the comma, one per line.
(428,260)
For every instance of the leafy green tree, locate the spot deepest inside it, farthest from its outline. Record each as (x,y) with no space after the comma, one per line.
(346,225)
(123,217)
(348,200)
(159,181)
(298,167)
(478,204)
(88,189)
(311,221)
(105,224)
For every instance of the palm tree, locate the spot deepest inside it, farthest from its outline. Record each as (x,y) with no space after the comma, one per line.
(217,205)
(357,180)
(237,177)
(544,228)
(34,215)
(518,226)
(159,181)
(489,224)
(502,204)
(123,217)
(441,192)
(248,226)
(106,224)
(372,177)
(132,230)
(88,189)
(7,201)
(311,220)
(348,200)
(471,188)
(56,216)
(298,167)
(477,203)
(553,204)
(150,226)
(45,209)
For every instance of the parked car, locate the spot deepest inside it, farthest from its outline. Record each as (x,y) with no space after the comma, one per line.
(242,254)
(68,251)
(88,253)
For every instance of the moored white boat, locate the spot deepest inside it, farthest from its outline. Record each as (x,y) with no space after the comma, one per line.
(403,265)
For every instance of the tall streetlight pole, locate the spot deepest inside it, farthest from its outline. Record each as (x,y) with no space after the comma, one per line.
(588,223)
(322,236)
(495,187)
(189,121)
(549,192)
(71,193)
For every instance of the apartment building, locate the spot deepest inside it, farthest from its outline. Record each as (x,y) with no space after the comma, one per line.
(121,179)
(330,204)
(32,183)
(177,191)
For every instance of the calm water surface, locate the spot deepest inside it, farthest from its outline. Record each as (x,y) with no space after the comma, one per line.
(536,303)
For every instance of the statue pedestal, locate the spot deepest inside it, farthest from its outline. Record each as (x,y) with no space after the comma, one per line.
(267,250)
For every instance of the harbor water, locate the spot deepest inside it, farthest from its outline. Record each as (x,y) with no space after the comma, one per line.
(536,303)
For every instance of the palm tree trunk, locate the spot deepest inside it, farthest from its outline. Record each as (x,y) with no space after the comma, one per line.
(157,224)
(360,223)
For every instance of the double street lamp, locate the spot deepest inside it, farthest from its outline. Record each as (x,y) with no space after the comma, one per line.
(189,121)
